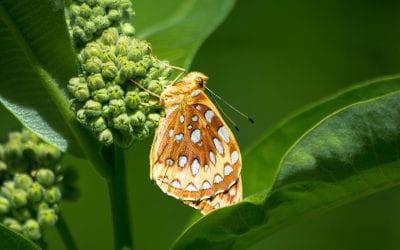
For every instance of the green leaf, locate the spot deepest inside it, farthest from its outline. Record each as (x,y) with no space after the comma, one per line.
(177,28)
(340,150)
(12,240)
(37,60)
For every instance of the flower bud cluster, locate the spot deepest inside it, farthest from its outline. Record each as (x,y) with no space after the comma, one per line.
(89,18)
(115,96)
(30,184)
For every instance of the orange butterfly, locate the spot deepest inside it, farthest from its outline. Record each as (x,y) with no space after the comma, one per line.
(195,156)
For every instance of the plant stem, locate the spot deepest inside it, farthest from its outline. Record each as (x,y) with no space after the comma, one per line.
(65,233)
(119,202)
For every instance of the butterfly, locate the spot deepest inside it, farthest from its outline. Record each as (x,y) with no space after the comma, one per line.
(195,156)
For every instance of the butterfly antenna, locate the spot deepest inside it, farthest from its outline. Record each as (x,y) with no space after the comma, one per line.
(231,106)
(144,89)
(227,116)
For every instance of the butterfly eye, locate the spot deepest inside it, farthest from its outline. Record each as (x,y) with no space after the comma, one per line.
(200,82)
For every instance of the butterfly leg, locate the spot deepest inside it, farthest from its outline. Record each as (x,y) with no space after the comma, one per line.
(146,90)
(178,68)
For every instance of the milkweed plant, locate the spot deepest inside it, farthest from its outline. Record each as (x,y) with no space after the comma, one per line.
(110,98)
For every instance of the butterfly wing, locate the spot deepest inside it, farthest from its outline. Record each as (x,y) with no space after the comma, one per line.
(231,196)
(195,155)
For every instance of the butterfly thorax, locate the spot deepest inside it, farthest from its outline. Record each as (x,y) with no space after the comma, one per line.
(183,91)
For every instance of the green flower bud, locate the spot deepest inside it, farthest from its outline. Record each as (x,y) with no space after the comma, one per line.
(106,111)
(81,92)
(99,125)
(112,3)
(92,2)
(90,27)
(151,124)
(163,81)
(45,177)
(114,15)
(4,205)
(127,29)
(98,11)
(101,95)
(138,118)
(121,123)
(147,61)
(73,82)
(154,117)
(74,10)
(95,82)
(155,87)
(80,115)
(104,3)
(132,100)
(117,107)
(22,181)
(13,150)
(144,96)
(108,55)
(127,69)
(92,108)
(8,188)
(92,49)
(109,70)
(15,136)
(12,224)
(93,65)
(79,35)
(143,132)
(135,54)
(121,48)
(115,92)
(47,217)
(106,137)
(80,21)
(42,206)
(48,153)
(101,22)
(31,229)
(3,166)
(52,195)
(139,70)
(125,4)
(35,192)
(145,48)
(109,36)
(19,198)
(85,11)
(120,79)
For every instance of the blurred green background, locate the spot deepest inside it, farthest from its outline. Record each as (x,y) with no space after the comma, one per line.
(270,58)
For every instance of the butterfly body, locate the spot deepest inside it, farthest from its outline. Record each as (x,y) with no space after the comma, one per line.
(195,156)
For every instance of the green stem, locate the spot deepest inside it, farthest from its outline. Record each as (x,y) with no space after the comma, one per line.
(65,233)
(119,203)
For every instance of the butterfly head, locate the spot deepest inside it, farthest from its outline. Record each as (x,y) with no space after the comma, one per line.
(178,91)
(194,80)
